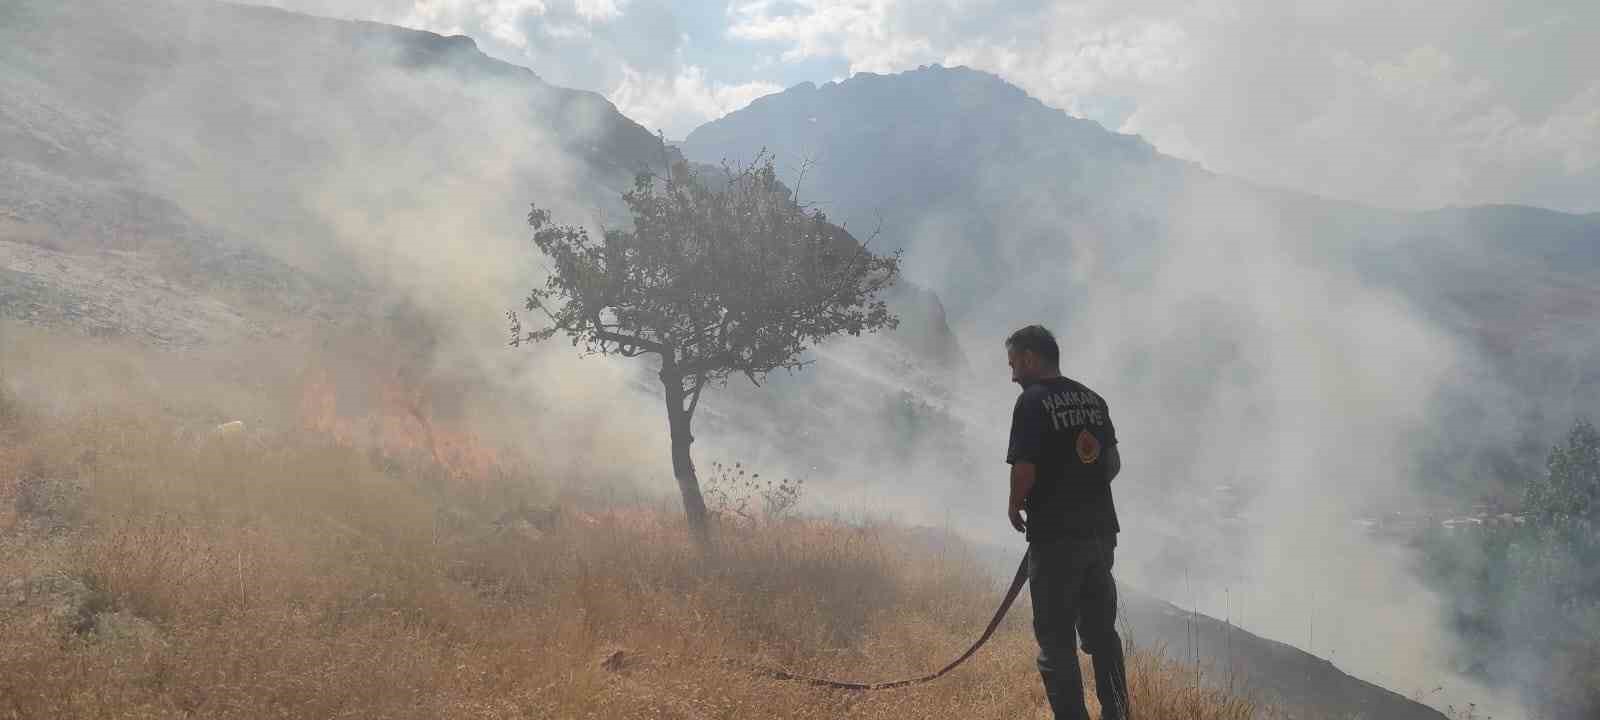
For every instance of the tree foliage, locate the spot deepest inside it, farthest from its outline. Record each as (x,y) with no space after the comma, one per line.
(1556,572)
(737,280)
(1561,559)
(1526,598)
(1571,489)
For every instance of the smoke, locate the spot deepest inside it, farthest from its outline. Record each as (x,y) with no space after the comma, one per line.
(1269,388)
(1237,363)
(355,180)
(1266,397)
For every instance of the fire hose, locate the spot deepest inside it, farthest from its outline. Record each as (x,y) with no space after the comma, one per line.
(1017,582)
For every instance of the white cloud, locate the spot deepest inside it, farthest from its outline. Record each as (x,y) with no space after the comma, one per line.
(1426,103)
(501,19)
(629,50)
(861,30)
(598,10)
(679,103)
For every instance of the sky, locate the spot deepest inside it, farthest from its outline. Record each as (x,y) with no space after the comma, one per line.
(1397,103)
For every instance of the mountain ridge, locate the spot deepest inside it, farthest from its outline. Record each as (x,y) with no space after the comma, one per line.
(624,143)
(958,163)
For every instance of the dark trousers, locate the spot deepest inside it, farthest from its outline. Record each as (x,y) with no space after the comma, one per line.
(1074,595)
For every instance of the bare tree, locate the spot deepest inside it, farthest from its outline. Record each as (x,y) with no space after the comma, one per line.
(739,280)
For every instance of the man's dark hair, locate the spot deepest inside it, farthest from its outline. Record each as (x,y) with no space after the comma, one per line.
(1039,340)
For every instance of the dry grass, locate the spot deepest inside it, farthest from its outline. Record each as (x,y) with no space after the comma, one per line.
(151,573)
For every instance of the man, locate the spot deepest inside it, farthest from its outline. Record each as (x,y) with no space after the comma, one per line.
(1063,456)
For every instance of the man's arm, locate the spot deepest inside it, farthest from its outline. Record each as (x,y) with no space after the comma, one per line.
(1111,459)
(1022,453)
(1023,475)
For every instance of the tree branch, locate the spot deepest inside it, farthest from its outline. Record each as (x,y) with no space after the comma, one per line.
(630,341)
(706,363)
(694,395)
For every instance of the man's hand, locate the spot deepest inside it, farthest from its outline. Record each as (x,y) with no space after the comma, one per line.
(1017,520)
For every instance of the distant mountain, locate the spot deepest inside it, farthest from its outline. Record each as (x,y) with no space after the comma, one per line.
(949,162)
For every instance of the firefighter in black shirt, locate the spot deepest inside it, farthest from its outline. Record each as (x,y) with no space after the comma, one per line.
(1063,456)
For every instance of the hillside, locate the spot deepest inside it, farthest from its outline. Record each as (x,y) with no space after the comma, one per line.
(1279,674)
(230,148)
(189,173)
(155,565)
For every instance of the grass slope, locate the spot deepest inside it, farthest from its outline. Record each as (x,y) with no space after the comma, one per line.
(152,570)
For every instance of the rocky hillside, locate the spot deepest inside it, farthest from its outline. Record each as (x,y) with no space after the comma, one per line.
(186,172)
(214,147)
(243,168)
(1282,675)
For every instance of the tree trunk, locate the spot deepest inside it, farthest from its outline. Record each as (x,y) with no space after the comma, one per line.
(678,418)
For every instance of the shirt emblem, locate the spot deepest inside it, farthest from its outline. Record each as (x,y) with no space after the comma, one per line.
(1088,447)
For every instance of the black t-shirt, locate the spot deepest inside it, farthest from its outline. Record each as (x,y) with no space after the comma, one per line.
(1065,430)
